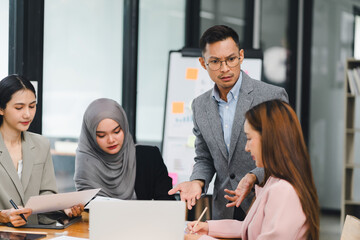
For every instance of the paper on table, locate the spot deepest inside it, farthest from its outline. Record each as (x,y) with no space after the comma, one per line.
(60,201)
(101,198)
(68,238)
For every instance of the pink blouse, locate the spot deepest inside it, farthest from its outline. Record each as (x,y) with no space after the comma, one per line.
(276,214)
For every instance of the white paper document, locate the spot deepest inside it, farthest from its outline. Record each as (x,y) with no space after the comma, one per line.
(101,198)
(60,201)
(68,238)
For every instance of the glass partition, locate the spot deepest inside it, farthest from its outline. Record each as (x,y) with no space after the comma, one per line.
(82,62)
(161,29)
(227,12)
(4,38)
(332,37)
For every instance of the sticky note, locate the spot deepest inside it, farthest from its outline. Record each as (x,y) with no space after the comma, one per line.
(174,177)
(191,141)
(178,107)
(192,73)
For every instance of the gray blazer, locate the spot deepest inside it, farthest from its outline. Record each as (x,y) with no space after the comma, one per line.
(38,175)
(211,153)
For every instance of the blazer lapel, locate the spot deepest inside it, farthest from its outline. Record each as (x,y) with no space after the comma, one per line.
(251,213)
(28,155)
(215,124)
(8,165)
(242,106)
(259,195)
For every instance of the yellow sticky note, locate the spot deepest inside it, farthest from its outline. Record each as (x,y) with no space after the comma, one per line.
(192,73)
(191,141)
(178,107)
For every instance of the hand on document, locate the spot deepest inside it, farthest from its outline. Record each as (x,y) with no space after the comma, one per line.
(74,211)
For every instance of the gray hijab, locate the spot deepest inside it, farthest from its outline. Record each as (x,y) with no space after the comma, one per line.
(94,168)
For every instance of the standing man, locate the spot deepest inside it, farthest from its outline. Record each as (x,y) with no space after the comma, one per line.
(218,117)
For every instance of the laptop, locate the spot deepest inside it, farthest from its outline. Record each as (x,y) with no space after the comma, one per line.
(137,219)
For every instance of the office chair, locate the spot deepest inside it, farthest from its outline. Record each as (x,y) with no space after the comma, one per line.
(351,229)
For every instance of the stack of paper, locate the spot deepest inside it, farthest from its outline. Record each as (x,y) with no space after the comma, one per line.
(100,198)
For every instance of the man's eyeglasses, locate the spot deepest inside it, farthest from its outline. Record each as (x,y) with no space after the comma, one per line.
(216,64)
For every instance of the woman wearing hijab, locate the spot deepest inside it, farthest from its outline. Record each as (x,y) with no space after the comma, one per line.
(107,157)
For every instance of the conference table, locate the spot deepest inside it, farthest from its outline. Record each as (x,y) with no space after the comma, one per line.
(79,229)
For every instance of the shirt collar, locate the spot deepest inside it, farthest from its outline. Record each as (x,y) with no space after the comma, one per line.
(234,91)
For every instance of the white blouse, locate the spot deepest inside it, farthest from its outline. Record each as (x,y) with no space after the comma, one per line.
(20,167)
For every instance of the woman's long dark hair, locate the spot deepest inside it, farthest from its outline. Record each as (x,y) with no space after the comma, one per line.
(10,85)
(285,155)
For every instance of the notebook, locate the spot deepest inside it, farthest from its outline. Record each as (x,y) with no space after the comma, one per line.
(137,219)
(53,221)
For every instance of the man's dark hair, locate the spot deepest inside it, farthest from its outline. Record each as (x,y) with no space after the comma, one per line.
(218,33)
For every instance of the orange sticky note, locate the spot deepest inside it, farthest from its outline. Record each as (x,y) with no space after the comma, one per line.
(178,107)
(192,73)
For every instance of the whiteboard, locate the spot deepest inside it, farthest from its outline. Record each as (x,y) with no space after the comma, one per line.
(187,79)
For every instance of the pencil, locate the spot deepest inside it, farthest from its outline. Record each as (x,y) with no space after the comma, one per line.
(197,222)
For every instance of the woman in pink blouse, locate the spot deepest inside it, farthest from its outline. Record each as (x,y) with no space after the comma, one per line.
(286,205)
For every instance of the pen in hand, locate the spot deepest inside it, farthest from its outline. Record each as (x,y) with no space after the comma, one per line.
(16,207)
(197,222)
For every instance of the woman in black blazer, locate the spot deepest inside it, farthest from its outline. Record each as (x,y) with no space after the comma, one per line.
(107,157)
(152,180)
